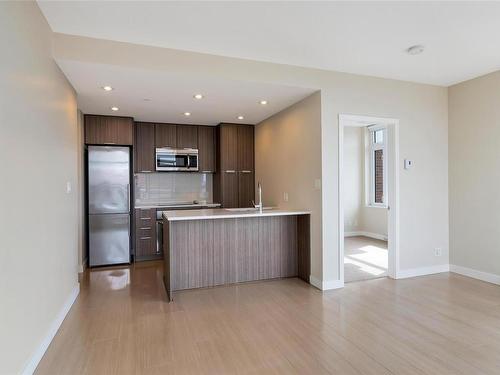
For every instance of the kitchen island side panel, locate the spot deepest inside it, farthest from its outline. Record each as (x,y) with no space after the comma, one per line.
(304,246)
(167,275)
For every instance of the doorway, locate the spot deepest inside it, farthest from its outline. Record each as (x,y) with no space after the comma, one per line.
(368,197)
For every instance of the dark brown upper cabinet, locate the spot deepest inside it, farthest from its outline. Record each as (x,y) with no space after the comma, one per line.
(144,147)
(187,136)
(206,149)
(246,148)
(228,138)
(108,130)
(166,135)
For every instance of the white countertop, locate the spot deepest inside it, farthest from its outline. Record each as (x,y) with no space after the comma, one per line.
(222,213)
(177,206)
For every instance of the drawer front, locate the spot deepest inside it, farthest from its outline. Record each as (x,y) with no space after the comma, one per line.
(145,232)
(145,245)
(148,213)
(145,218)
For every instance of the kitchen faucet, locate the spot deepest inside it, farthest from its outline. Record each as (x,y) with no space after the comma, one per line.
(260,205)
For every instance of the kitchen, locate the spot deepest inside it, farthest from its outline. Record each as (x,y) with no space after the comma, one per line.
(186,194)
(83,81)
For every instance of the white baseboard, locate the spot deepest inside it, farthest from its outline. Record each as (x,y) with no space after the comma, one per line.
(422,271)
(366,234)
(325,285)
(82,267)
(475,274)
(56,323)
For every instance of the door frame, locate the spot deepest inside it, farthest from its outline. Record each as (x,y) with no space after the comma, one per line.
(392,145)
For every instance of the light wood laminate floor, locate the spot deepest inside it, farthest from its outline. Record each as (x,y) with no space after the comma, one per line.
(122,324)
(364,258)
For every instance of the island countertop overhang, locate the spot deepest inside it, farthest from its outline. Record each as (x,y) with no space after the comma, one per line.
(221,213)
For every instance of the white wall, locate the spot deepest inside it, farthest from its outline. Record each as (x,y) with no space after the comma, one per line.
(421,109)
(288,160)
(38,154)
(353,168)
(374,220)
(474,139)
(358,216)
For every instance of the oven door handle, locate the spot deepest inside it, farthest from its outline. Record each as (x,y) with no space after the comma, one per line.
(159,236)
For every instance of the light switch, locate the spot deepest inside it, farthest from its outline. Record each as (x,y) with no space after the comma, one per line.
(68,187)
(408,163)
(317,184)
(285,197)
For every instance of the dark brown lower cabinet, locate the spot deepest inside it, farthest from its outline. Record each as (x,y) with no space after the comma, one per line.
(246,188)
(237,188)
(145,234)
(229,189)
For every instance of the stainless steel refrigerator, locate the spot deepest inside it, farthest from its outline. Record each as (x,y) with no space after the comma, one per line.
(108,205)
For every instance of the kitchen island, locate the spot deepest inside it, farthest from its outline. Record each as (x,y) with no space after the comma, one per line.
(204,248)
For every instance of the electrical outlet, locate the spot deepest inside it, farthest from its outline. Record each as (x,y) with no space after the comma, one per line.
(68,187)
(285,196)
(438,251)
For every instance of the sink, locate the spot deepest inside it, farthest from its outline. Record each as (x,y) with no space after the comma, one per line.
(247,209)
(241,209)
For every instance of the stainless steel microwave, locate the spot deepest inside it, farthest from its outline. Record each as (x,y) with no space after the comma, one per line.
(172,160)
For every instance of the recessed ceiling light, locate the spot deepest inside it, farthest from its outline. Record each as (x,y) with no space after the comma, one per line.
(114,108)
(187,113)
(240,117)
(198,96)
(146,99)
(415,50)
(107,88)
(263,102)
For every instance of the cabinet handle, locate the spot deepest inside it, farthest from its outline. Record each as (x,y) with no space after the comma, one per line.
(146,171)
(246,171)
(109,143)
(145,218)
(230,171)
(145,238)
(144,228)
(207,171)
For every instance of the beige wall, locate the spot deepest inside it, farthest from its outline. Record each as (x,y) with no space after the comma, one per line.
(288,160)
(82,238)
(38,219)
(474,139)
(358,216)
(421,109)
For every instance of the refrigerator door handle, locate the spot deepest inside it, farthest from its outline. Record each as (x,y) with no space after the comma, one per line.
(128,197)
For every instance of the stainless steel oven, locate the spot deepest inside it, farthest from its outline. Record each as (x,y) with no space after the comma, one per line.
(174,160)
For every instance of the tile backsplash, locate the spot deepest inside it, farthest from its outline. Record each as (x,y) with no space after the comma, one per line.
(172,187)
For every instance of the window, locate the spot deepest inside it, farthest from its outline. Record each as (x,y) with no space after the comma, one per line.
(377,171)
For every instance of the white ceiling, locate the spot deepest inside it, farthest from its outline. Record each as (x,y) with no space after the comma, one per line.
(461,38)
(171,95)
